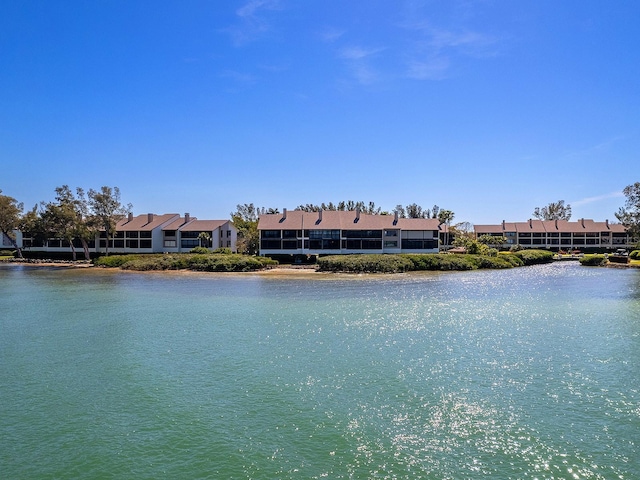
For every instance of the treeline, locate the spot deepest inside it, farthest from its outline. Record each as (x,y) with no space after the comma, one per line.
(71,216)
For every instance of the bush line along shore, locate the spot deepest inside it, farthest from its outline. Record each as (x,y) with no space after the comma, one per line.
(370,263)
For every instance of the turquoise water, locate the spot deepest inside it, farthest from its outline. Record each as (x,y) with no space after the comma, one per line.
(527,373)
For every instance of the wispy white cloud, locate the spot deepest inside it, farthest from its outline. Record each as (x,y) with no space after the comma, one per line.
(597,198)
(595,149)
(428,69)
(331,35)
(467,42)
(432,51)
(251,21)
(358,53)
(358,61)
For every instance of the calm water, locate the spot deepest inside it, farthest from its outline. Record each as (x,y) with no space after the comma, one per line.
(527,373)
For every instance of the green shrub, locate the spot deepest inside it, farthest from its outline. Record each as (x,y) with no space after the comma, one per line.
(635,255)
(594,260)
(6,253)
(208,262)
(514,260)
(483,261)
(201,250)
(114,261)
(223,251)
(534,257)
(368,263)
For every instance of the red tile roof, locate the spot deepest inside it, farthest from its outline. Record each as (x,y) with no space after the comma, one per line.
(203,225)
(342,220)
(145,222)
(561,226)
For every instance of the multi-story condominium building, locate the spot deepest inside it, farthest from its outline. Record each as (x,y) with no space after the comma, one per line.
(583,234)
(150,233)
(342,232)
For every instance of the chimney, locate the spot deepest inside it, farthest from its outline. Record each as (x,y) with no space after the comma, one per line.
(130,217)
(284,214)
(187,218)
(530,223)
(607,223)
(357,215)
(319,216)
(395,218)
(556,223)
(582,222)
(503,227)
(149,217)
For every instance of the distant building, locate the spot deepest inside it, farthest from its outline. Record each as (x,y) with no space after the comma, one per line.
(344,232)
(150,233)
(583,234)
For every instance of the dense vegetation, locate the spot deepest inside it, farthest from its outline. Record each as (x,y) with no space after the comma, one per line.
(431,261)
(212,262)
(595,260)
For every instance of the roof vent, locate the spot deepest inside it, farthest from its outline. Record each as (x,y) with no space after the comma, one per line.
(319,216)
(582,222)
(503,226)
(149,217)
(357,216)
(530,223)
(187,218)
(556,223)
(607,223)
(395,217)
(130,217)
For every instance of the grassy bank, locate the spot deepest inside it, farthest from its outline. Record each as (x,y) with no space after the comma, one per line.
(187,261)
(424,262)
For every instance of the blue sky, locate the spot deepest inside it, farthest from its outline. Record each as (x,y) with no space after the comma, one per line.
(487,108)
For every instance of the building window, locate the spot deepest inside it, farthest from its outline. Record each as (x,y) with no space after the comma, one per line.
(190,243)
(145,234)
(289,244)
(408,244)
(270,244)
(145,243)
(132,243)
(131,234)
(271,234)
(170,243)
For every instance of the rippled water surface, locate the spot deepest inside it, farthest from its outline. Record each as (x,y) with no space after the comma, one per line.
(526,373)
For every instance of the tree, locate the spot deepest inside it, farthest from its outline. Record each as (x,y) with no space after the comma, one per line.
(368,208)
(245,219)
(629,215)
(10,215)
(554,211)
(107,210)
(415,211)
(204,239)
(446,217)
(69,218)
(400,211)
(494,241)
